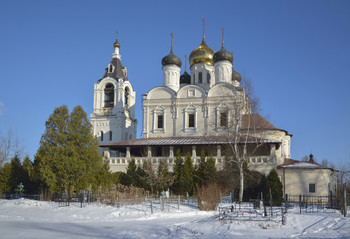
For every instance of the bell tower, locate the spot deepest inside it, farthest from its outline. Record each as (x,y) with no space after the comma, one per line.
(113,117)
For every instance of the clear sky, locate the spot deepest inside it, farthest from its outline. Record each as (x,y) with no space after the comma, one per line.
(296,54)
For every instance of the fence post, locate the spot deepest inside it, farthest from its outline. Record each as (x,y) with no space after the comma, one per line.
(151,206)
(344,201)
(282,216)
(286,203)
(271,203)
(178,203)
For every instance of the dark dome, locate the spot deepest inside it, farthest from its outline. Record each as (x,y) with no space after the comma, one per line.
(171,59)
(223,55)
(185,78)
(236,76)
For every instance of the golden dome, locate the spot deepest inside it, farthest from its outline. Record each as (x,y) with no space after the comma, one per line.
(202,54)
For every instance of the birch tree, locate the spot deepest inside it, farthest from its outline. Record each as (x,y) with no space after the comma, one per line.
(241,138)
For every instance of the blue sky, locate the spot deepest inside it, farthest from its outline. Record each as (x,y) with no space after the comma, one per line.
(296,54)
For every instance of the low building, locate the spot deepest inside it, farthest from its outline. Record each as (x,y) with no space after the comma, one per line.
(307,178)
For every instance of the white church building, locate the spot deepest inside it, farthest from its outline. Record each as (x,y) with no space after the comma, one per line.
(205,109)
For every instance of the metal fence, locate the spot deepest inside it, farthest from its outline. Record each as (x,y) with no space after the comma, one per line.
(313,203)
(252,211)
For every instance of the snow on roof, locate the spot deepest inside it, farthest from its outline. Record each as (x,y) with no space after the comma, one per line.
(291,163)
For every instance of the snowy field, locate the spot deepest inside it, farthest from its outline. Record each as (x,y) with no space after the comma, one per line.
(33,219)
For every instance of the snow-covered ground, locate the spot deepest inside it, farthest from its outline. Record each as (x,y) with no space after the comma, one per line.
(33,219)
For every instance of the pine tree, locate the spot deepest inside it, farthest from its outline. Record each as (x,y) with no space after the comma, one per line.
(5,176)
(188,176)
(273,182)
(29,184)
(150,177)
(205,170)
(178,185)
(17,173)
(68,154)
(164,178)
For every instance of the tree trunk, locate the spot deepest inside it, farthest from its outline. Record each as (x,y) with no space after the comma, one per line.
(241,181)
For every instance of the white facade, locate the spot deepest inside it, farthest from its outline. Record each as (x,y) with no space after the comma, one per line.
(307,178)
(113,117)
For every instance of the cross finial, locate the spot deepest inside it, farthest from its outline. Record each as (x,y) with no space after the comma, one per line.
(116,34)
(185,62)
(222,29)
(172,37)
(203,26)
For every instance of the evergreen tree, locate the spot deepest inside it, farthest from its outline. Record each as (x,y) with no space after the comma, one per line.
(150,177)
(17,175)
(178,169)
(205,170)
(68,154)
(131,177)
(28,182)
(188,176)
(104,177)
(273,182)
(164,178)
(5,176)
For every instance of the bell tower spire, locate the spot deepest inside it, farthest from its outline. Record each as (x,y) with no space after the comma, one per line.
(116,46)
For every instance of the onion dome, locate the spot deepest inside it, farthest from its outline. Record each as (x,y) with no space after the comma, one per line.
(203,54)
(236,76)
(185,78)
(171,59)
(223,55)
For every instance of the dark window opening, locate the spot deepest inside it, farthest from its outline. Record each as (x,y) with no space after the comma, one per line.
(110,135)
(160,123)
(200,77)
(159,151)
(126,96)
(190,120)
(208,78)
(223,119)
(312,188)
(101,135)
(110,69)
(109,95)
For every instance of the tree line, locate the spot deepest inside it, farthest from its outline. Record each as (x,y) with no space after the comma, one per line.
(68,159)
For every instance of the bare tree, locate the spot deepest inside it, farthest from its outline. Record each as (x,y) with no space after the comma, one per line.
(253,99)
(305,158)
(10,146)
(343,173)
(241,136)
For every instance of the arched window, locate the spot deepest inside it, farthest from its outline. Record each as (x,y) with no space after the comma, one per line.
(101,135)
(126,96)
(110,68)
(208,77)
(109,95)
(200,77)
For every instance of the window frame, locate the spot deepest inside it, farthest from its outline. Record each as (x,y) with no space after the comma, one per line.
(160,119)
(191,120)
(314,187)
(190,110)
(200,77)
